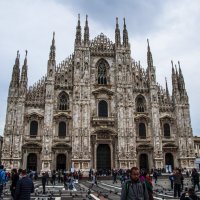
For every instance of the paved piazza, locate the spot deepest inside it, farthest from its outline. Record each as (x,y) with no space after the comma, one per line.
(105,190)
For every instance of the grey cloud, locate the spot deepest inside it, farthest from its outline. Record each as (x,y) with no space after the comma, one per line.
(140,15)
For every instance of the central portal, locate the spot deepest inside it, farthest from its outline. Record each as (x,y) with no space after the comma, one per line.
(103,157)
(61,162)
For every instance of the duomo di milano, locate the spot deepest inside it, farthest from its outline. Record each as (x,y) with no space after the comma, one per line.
(97,109)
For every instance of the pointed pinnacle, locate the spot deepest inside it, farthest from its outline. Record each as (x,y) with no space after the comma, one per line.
(86,21)
(17,58)
(53,40)
(25,60)
(172,63)
(179,64)
(79,20)
(17,53)
(124,23)
(148,46)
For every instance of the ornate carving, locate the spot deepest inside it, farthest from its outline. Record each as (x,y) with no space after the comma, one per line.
(101,45)
(103,136)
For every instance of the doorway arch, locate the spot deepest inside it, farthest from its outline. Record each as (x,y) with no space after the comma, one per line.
(144,164)
(169,162)
(103,157)
(61,162)
(32,162)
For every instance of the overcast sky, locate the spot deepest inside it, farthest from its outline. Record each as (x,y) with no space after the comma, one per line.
(172,27)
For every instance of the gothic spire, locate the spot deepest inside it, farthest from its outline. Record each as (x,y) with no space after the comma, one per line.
(125,35)
(149,55)
(173,72)
(52,53)
(117,34)
(24,78)
(78,32)
(181,79)
(86,32)
(167,91)
(174,79)
(16,72)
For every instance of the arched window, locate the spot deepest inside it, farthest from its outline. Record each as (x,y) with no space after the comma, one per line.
(140,104)
(142,130)
(62,129)
(33,128)
(102,73)
(166,130)
(63,101)
(103,109)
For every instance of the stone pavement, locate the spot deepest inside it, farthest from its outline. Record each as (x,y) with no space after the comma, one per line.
(103,191)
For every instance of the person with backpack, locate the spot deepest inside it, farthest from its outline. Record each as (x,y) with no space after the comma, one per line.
(24,187)
(134,189)
(3,179)
(148,182)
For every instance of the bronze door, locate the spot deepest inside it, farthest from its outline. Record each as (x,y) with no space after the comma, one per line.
(32,162)
(103,157)
(144,162)
(61,162)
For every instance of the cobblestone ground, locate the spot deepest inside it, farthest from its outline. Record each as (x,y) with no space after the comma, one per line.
(103,191)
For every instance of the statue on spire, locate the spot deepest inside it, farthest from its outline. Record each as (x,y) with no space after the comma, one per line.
(86,32)
(117,34)
(125,35)
(78,32)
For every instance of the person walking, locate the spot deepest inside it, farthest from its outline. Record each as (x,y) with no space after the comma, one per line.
(171,178)
(94,179)
(53,178)
(44,181)
(134,189)
(195,178)
(3,179)
(24,187)
(177,182)
(155,175)
(14,180)
(148,182)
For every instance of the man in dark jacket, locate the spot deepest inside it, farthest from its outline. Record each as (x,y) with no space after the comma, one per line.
(24,187)
(195,178)
(134,189)
(177,182)
(14,179)
(44,180)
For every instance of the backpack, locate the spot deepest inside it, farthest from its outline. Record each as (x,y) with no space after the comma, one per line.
(3,177)
(127,185)
(148,183)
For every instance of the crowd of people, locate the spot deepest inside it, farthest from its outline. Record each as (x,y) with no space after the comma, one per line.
(139,184)
(21,182)
(136,184)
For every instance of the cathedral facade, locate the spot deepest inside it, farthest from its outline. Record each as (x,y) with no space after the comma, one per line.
(97,109)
